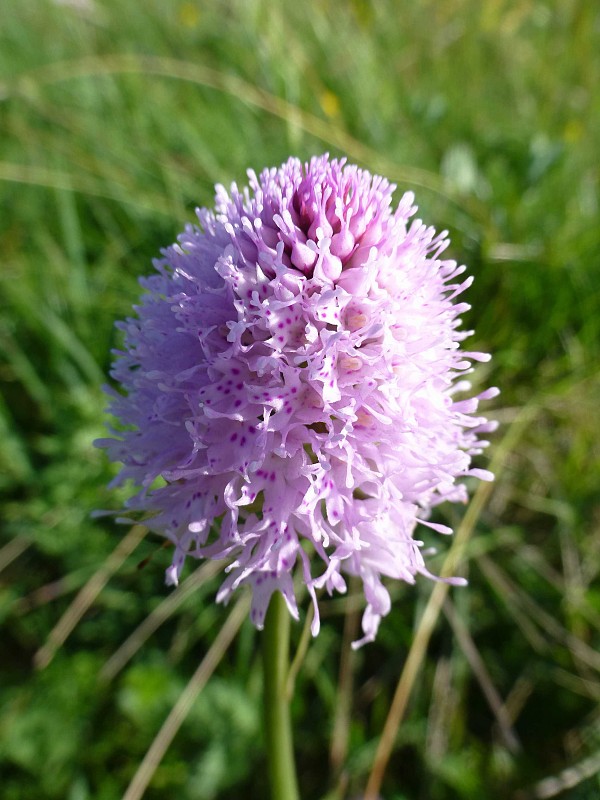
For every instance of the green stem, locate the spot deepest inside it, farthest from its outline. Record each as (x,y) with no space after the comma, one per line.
(278,729)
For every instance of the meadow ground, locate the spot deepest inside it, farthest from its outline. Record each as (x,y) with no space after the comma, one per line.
(116,120)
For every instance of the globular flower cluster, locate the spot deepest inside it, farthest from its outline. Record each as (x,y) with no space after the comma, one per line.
(289,385)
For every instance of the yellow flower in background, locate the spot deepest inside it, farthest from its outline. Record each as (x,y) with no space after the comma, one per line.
(330,103)
(189,14)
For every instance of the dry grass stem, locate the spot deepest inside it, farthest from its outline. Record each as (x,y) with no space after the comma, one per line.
(157,617)
(87,595)
(345,687)
(300,654)
(12,551)
(482,675)
(182,707)
(568,778)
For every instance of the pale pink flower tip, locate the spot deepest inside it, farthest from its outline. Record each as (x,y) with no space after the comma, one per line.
(289,383)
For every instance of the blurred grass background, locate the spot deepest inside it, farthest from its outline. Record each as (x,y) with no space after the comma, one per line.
(116,120)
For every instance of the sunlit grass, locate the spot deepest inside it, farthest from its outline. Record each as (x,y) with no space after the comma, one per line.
(117,119)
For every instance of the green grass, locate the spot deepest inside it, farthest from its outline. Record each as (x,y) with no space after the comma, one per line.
(115,123)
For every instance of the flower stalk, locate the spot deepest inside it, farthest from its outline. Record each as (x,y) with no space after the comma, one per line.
(278,730)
